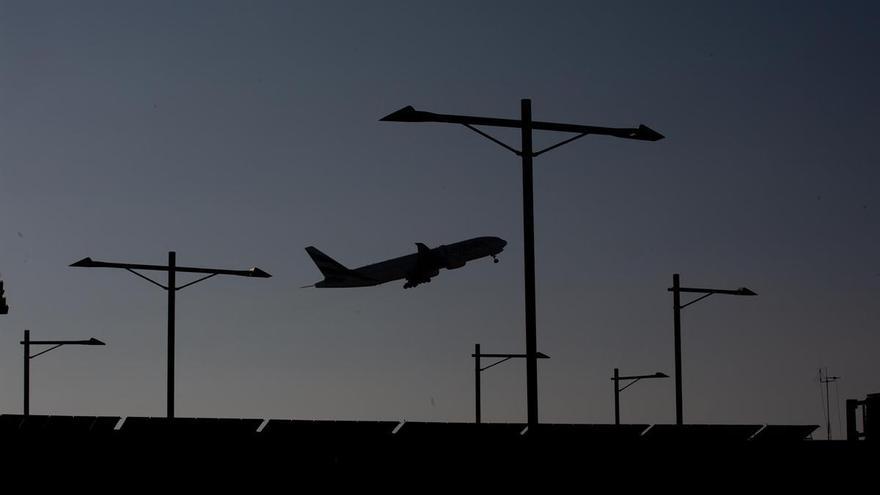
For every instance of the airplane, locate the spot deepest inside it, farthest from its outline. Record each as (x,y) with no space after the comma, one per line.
(416,268)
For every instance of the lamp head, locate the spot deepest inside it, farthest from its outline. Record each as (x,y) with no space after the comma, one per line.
(406,114)
(85,262)
(94,341)
(256,272)
(645,133)
(745,291)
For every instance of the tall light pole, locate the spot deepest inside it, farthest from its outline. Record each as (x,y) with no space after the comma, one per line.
(676,290)
(632,381)
(826,380)
(4,308)
(171,269)
(526,153)
(27,343)
(477,355)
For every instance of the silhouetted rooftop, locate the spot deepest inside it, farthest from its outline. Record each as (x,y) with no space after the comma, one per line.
(322,430)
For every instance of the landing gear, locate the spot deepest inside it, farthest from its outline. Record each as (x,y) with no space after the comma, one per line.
(494,259)
(412,282)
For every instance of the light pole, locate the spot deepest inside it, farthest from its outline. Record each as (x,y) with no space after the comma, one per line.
(826,380)
(4,308)
(617,390)
(526,125)
(676,290)
(27,343)
(172,269)
(477,370)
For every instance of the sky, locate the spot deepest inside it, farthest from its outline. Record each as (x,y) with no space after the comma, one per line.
(237,133)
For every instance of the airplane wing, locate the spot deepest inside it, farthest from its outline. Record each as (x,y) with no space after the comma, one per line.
(427,266)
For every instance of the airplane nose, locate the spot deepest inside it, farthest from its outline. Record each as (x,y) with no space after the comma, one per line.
(500,243)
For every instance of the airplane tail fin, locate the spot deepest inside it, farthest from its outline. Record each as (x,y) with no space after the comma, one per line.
(329,267)
(336,275)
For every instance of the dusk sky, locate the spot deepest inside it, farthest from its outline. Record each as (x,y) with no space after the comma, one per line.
(237,133)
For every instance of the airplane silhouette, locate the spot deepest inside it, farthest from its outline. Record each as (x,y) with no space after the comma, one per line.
(415,268)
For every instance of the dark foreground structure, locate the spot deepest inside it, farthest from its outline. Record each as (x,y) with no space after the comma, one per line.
(216,449)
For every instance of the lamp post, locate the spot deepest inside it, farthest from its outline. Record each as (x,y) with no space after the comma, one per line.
(172,269)
(27,343)
(826,380)
(617,390)
(4,308)
(526,153)
(676,290)
(477,370)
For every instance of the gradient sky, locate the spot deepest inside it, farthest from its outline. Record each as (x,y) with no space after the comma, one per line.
(237,133)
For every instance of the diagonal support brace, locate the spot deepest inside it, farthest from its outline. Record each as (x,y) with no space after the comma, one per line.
(490,138)
(559,144)
(148,279)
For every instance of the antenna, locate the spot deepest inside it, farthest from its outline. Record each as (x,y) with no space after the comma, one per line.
(826,380)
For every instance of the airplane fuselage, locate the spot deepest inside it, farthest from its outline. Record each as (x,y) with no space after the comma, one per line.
(416,268)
